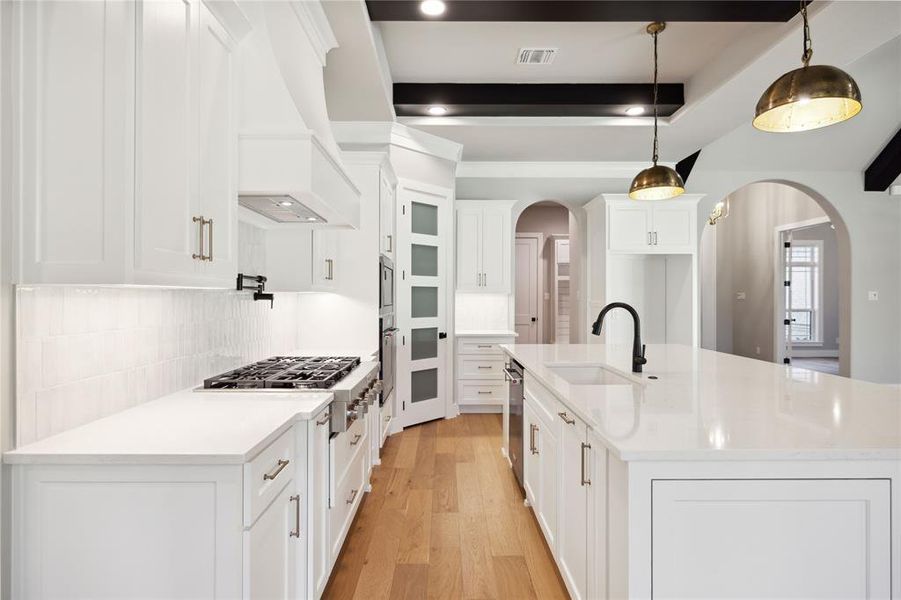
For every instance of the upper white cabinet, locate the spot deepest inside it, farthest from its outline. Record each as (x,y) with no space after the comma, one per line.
(387,234)
(127,127)
(659,227)
(483,246)
(325,259)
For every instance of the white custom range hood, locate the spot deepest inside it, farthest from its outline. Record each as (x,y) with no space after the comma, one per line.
(286,151)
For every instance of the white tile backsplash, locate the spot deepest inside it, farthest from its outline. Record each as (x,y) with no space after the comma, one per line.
(481,311)
(87,352)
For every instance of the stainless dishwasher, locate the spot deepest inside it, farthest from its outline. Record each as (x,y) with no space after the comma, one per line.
(513,372)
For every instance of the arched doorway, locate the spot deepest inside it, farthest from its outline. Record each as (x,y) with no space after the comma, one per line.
(775,278)
(545,274)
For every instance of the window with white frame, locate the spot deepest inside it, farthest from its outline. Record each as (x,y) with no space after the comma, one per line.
(803,298)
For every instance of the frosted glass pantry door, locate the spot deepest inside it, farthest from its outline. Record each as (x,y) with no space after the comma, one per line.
(424,223)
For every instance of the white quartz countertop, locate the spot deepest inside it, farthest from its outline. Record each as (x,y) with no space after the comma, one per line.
(183,428)
(707,405)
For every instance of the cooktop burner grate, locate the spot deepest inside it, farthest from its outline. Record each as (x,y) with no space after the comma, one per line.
(286,372)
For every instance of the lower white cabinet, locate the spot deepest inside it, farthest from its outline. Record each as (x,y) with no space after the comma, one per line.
(271,549)
(318,503)
(480,371)
(575,483)
(541,468)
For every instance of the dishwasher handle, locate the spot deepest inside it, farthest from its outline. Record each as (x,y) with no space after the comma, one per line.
(512,377)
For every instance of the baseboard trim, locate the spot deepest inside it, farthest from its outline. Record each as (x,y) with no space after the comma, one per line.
(814,353)
(481,408)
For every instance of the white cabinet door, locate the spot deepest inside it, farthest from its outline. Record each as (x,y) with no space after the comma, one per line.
(217,147)
(531,469)
(629,227)
(596,555)
(572,539)
(270,562)
(325,263)
(673,227)
(766,538)
(166,199)
(495,249)
(469,240)
(547,443)
(387,235)
(75,68)
(318,502)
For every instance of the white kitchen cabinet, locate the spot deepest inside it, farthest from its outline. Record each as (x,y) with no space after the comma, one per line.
(127,121)
(480,372)
(542,438)
(387,194)
(318,503)
(575,482)
(271,547)
(483,246)
(531,469)
(658,227)
(325,259)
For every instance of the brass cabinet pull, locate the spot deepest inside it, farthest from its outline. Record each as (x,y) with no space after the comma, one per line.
(484,346)
(485,367)
(585,480)
(390,243)
(353,496)
(356,439)
(209,256)
(534,443)
(484,392)
(282,463)
(325,419)
(296,532)
(329,269)
(566,418)
(201,222)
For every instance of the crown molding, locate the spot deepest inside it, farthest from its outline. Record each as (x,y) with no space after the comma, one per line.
(315,24)
(550,169)
(376,135)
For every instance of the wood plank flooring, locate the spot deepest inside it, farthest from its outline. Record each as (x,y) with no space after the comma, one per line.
(445,520)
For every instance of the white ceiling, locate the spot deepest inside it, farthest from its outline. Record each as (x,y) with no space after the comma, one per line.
(468,52)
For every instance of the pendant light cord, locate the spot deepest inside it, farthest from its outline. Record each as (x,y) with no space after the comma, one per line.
(808,44)
(655,98)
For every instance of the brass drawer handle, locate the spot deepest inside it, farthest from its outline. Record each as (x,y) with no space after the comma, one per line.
(201,223)
(356,439)
(353,496)
(325,419)
(485,367)
(533,440)
(209,256)
(585,480)
(296,531)
(282,463)
(566,418)
(484,346)
(483,392)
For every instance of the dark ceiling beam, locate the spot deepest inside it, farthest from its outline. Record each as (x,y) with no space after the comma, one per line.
(684,166)
(885,168)
(535,99)
(759,11)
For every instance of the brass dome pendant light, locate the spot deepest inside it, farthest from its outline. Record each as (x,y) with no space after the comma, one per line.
(657,182)
(809,97)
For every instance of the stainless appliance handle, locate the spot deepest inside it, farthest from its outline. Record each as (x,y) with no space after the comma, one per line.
(511,376)
(296,531)
(282,463)
(585,480)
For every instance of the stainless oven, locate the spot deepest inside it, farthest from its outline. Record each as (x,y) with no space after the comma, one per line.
(386,286)
(387,355)
(513,373)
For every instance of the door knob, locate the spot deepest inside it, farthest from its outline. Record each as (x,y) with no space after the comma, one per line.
(534,319)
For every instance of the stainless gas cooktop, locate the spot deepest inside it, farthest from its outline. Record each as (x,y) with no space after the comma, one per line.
(286,372)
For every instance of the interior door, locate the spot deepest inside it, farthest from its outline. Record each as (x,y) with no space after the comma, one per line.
(525,299)
(424,225)
(787,314)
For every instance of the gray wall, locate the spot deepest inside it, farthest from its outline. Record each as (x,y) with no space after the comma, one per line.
(745,262)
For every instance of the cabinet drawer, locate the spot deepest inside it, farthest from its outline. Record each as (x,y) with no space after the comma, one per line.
(482,346)
(481,392)
(478,367)
(267,474)
(348,494)
(345,447)
(546,404)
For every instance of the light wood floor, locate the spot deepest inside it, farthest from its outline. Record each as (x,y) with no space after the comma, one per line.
(445,519)
(824,365)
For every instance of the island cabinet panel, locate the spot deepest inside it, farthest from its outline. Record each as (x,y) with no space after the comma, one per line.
(812,538)
(575,483)
(318,502)
(543,438)
(271,549)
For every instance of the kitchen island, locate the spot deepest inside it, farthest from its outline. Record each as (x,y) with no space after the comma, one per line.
(710,475)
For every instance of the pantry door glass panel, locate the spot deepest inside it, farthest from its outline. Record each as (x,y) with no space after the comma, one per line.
(423,231)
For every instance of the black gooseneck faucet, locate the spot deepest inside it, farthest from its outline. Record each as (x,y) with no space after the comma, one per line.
(638,348)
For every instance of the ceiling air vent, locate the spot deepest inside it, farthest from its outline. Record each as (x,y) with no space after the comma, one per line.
(536,56)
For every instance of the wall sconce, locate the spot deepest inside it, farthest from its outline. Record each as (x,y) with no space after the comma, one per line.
(720,211)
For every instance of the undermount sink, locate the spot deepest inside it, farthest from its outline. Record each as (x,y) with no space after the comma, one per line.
(588,375)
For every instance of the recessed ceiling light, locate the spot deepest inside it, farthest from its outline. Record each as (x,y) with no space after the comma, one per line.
(634,111)
(286,203)
(432,8)
(436,110)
